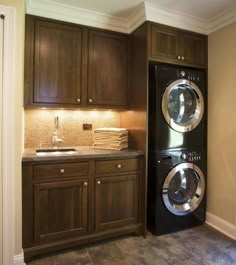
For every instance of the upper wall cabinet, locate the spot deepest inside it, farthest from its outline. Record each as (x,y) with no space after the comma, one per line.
(68,65)
(108,68)
(171,45)
(53,63)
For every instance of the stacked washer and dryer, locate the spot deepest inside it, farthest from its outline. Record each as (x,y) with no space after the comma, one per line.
(177,141)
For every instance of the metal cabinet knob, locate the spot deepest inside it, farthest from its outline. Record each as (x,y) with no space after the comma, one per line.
(179,57)
(119,166)
(90,100)
(182,58)
(98,182)
(78,100)
(86,183)
(62,171)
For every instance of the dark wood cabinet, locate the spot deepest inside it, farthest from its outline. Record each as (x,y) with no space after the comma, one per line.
(116,201)
(171,45)
(164,43)
(107,68)
(71,202)
(68,65)
(194,48)
(60,209)
(53,63)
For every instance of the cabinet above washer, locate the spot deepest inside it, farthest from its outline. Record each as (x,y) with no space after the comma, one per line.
(172,45)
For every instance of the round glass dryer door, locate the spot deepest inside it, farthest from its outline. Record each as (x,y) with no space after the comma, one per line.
(183,189)
(182,105)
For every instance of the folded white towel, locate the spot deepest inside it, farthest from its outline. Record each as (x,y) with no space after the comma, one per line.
(110,129)
(110,147)
(111,138)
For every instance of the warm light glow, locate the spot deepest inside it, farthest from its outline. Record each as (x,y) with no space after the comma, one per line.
(108,114)
(94,114)
(39,125)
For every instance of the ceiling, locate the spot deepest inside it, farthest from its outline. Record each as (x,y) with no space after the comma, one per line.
(205,9)
(204,16)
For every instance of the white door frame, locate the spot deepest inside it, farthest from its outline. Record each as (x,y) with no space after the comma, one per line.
(7,133)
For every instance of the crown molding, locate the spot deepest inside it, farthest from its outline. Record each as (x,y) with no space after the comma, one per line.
(220,21)
(64,12)
(144,12)
(176,19)
(137,17)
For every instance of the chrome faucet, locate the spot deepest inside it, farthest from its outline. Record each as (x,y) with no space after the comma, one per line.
(55,139)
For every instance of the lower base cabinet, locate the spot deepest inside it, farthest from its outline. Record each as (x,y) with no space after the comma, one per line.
(116,201)
(60,209)
(67,204)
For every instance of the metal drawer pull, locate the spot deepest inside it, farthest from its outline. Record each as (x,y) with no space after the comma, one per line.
(90,100)
(98,182)
(78,100)
(182,58)
(179,57)
(119,166)
(86,183)
(62,171)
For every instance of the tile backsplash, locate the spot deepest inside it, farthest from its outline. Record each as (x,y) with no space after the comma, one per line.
(39,126)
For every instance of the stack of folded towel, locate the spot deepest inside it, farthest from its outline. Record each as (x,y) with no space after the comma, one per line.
(110,138)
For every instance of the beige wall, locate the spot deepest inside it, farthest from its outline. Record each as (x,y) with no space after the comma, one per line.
(39,126)
(222,124)
(18,101)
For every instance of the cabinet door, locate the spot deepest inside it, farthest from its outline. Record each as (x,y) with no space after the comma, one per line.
(60,209)
(164,44)
(57,63)
(194,49)
(108,66)
(116,201)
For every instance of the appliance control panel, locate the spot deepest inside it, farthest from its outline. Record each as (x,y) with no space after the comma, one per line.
(191,156)
(187,75)
(178,156)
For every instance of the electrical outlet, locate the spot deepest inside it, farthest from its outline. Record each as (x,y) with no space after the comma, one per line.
(87,126)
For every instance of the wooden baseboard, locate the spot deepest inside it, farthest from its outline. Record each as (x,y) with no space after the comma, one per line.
(221,225)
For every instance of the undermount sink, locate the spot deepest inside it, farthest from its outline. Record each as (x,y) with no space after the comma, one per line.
(56,151)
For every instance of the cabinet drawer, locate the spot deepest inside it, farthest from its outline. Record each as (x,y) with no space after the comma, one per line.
(61,170)
(116,166)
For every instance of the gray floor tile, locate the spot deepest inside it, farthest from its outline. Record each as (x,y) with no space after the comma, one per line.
(142,256)
(132,243)
(162,241)
(217,238)
(107,253)
(231,250)
(76,257)
(217,256)
(197,246)
(193,261)
(174,254)
(43,261)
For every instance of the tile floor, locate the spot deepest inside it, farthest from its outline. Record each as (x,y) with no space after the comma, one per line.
(197,246)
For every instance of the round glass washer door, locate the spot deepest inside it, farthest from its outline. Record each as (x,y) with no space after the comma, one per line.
(182,105)
(183,189)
